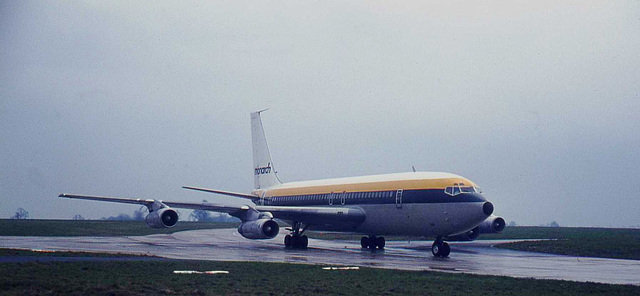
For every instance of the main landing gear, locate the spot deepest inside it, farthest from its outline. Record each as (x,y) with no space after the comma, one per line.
(440,248)
(372,242)
(296,240)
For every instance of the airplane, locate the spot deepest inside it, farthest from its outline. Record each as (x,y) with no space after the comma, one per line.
(444,206)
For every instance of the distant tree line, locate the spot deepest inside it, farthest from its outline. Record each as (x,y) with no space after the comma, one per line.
(196,215)
(138,215)
(21,214)
(207,216)
(551,224)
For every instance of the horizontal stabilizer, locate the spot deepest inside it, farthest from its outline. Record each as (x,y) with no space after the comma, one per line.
(138,201)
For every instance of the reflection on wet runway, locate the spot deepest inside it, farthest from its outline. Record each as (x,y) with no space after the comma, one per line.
(477,257)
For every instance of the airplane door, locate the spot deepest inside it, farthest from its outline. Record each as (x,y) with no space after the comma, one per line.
(399,199)
(262,198)
(344,194)
(331,198)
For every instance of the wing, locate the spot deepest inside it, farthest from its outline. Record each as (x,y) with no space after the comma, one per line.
(237,211)
(326,216)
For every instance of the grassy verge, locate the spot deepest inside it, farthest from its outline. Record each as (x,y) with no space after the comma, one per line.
(10,227)
(574,241)
(156,277)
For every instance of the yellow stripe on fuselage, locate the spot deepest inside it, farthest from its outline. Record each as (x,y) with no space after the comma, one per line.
(394,182)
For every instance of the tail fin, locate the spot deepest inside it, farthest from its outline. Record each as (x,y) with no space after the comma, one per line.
(264,173)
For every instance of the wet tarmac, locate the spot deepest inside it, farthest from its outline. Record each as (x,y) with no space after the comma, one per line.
(477,257)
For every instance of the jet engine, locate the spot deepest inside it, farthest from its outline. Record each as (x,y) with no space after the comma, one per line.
(259,229)
(493,224)
(162,218)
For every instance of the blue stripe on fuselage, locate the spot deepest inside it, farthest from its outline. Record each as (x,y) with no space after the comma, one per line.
(388,197)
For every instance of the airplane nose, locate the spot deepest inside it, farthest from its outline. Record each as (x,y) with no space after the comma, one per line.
(487,208)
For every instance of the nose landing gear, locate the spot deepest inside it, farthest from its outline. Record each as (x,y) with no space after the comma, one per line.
(440,248)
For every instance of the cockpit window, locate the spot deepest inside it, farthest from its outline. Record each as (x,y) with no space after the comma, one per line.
(455,190)
(467,189)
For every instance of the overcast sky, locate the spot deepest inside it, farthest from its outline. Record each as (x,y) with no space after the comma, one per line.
(536,101)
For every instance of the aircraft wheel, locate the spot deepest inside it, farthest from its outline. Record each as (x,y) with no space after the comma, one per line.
(304,242)
(295,241)
(287,241)
(364,242)
(380,243)
(373,241)
(446,249)
(437,248)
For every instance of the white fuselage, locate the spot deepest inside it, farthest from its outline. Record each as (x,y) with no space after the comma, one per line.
(403,204)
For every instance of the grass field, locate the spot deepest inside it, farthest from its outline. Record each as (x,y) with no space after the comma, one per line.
(156,277)
(588,242)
